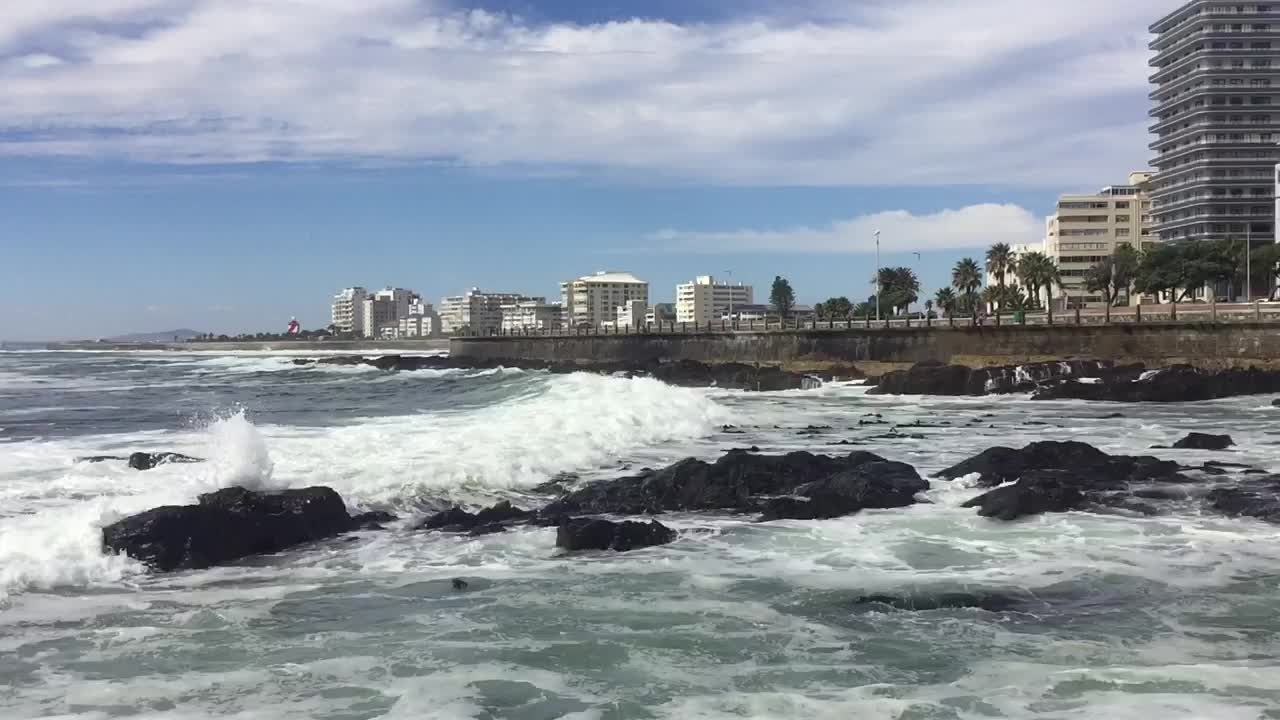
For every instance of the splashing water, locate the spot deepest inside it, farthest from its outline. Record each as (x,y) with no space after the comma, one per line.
(238,454)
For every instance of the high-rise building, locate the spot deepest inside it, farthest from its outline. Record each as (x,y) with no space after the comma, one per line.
(1087,229)
(595,299)
(384,309)
(530,315)
(1216,117)
(704,300)
(477,311)
(348,310)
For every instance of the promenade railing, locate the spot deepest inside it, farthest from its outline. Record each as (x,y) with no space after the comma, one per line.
(1188,314)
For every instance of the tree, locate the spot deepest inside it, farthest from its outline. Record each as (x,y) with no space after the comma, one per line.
(782,297)
(966,277)
(928,308)
(1101,278)
(899,287)
(1162,271)
(838,308)
(1124,269)
(946,300)
(1000,262)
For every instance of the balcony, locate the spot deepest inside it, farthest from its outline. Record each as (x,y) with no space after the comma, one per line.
(1269,126)
(1206,77)
(1171,206)
(1229,92)
(1243,36)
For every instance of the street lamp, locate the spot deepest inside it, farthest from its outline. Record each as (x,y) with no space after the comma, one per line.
(877,276)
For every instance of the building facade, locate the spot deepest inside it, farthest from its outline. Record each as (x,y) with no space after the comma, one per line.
(592,300)
(384,309)
(347,312)
(1216,118)
(530,315)
(1087,229)
(660,313)
(704,300)
(477,311)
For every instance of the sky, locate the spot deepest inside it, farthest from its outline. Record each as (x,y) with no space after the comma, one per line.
(224,165)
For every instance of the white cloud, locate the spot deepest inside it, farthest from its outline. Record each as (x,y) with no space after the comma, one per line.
(975,226)
(908,92)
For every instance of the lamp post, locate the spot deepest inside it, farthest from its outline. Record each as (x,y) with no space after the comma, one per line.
(730,274)
(877,276)
(1248,262)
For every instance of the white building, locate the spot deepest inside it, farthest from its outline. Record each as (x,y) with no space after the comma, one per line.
(384,309)
(418,326)
(531,315)
(749,313)
(593,300)
(348,310)
(631,315)
(704,300)
(477,311)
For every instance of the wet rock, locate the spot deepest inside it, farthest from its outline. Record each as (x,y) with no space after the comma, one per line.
(460,584)
(493,519)
(881,484)
(924,601)
(737,481)
(1177,383)
(372,520)
(147,461)
(934,378)
(1203,441)
(1038,491)
(595,534)
(100,458)
(1062,476)
(1255,497)
(228,525)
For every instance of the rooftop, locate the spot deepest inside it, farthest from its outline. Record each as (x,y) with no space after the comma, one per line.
(609,276)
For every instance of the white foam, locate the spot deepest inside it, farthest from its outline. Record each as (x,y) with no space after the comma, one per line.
(238,454)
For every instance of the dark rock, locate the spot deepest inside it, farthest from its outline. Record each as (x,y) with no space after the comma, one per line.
(372,520)
(877,484)
(595,534)
(919,602)
(460,584)
(1112,416)
(1256,498)
(752,449)
(737,481)
(1062,476)
(1203,441)
(1177,383)
(1038,491)
(146,461)
(100,458)
(934,378)
(495,518)
(228,525)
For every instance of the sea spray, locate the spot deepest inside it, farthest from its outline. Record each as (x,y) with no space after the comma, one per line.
(237,453)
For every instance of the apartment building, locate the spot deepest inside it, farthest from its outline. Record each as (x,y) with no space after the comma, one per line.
(592,300)
(660,313)
(347,312)
(383,310)
(1087,229)
(1216,118)
(704,299)
(530,315)
(477,311)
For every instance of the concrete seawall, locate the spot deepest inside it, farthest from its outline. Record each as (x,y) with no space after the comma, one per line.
(873,351)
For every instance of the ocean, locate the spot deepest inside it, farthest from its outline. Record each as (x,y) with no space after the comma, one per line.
(1171,616)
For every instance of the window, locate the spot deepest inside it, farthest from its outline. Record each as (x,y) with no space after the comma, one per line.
(1122,205)
(1122,232)
(1122,218)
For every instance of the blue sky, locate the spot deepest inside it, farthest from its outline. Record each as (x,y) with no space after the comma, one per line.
(227,164)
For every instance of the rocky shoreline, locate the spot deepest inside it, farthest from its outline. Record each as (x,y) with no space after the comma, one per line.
(1043,477)
(1095,380)
(684,373)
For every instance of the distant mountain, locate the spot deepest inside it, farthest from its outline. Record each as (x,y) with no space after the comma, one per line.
(165,336)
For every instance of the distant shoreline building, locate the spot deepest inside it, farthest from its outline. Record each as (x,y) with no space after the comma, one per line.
(592,300)
(1087,229)
(477,311)
(347,313)
(704,300)
(535,314)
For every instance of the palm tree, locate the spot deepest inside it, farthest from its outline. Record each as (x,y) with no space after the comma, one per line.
(945,299)
(928,307)
(966,277)
(1000,262)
